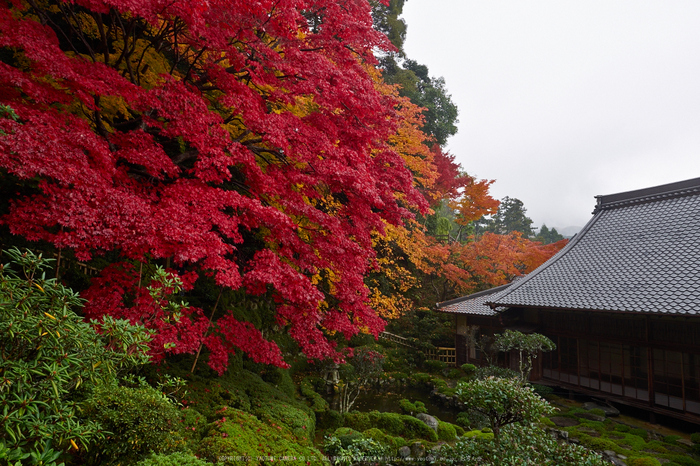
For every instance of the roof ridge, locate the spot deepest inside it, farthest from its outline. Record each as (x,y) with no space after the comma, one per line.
(655,193)
(493,290)
(552,260)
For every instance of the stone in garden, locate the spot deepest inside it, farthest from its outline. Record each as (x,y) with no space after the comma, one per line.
(418,450)
(685,441)
(564,421)
(429,420)
(404,452)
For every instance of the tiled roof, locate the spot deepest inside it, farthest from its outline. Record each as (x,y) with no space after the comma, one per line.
(474,304)
(639,253)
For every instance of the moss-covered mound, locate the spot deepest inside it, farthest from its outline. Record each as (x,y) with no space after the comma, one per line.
(238,437)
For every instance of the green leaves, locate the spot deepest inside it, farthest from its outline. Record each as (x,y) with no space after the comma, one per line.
(50,357)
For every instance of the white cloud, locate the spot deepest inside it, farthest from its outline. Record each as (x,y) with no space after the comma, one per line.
(561,101)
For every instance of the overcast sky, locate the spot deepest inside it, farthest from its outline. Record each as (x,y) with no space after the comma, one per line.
(561,101)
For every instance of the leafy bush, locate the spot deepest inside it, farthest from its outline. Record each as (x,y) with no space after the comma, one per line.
(643,461)
(446,431)
(503,402)
(392,423)
(495,371)
(543,390)
(454,374)
(330,419)
(359,451)
(346,435)
(521,446)
(469,369)
(380,436)
(307,388)
(172,459)
(434,366)
(412,408)
(140,421)
(51,358)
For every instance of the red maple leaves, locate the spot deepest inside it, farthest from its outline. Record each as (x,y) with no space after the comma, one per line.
(243,140)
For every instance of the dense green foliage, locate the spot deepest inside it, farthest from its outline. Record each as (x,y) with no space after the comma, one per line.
(240,436)
(519,446)
(503,402)
(51,359)
(140,421)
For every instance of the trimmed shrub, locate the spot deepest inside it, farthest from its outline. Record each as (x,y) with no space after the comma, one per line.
(458,429)
(412,408)
(307,388)
(446,431)
(433,366)
(415,428)
(468,369)
(380,436)
(454,374)
(695,437)
(346,436)
(330,419)
(543,390)
(141,421)
(495,371)
(173,459)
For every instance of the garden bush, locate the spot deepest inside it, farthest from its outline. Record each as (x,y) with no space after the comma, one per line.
(330,419)
(380,436)
(695,437)
(521,446)
(392,423)
(469,369)
(140,420)
(346,435)
(434,367)
(51,359)
(308,390)
(454,374)
(495,371)
(671,439)
(446,431)
(412,408)
(543,390)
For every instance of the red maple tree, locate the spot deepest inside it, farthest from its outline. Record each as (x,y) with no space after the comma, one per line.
(243,140)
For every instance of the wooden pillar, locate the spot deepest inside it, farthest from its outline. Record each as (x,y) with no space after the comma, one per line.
(461,350)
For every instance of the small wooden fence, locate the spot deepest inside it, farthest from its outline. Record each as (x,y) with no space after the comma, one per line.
(399,340)
(446,355)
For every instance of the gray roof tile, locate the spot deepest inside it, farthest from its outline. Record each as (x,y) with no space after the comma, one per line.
(474,304)
(639,253)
